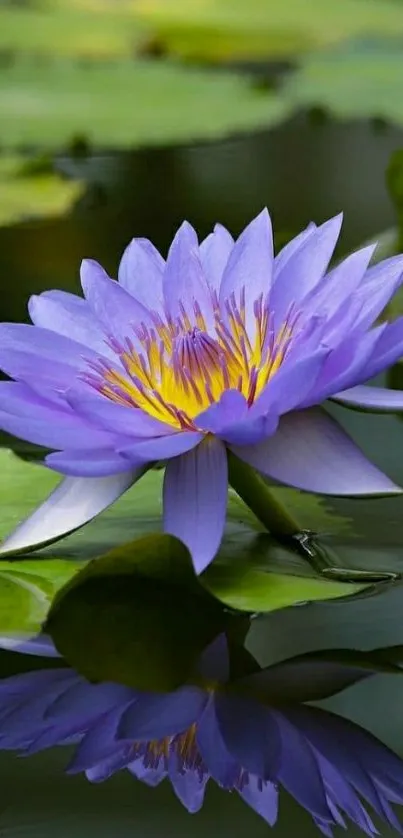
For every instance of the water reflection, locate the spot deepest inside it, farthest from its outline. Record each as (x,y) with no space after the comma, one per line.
(253,734)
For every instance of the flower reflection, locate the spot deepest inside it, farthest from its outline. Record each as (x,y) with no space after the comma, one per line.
(237,734)
(222,346)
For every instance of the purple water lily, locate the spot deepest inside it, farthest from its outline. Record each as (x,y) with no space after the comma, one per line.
(253,736)
(222,346)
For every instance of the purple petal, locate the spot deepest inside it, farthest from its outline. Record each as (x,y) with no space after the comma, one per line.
(250,267)
(219,762)
(70,316)
(299,772)
(311,451)
(213,664)
(308,677)
(156,715)
(250,733)
(386,351)
(140,273)
(104,462)
(99,743)
(381,282)
(214,255)
(31,353)
(74,502)
(231,420)
(291,248)
(86,700)
(189,787)
(150,776)
(304,270)
(291,384)
(41,645)
(340,283)
(129,421)
(118,312)
(263,798)
(161,447)
(184,280)
(374,399)
(29,416)
(195,499)
(101,772)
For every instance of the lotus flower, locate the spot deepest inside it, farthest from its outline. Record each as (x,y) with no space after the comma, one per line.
(221,347)
(253,736)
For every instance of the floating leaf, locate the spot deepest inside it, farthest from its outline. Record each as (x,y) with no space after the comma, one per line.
(28,196)
(222,29)
(126,103)
(27,589)
(357,80)
(115,623)
(65,29)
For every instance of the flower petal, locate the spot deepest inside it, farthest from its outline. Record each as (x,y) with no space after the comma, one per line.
(156,715)
(103,462)
(31,353)
(140,273)
(311,451)
(118,312)
(214,661)
(150,776)
(250,267)
(222,766)
(264,800)
(71,316)
(250,732)
(41,645)
(292,383)
(340,283)
(73,503)
(29,416)
(299,772)
(309,677)
(129,421)
(374,399)
(214,255)
(381,282)
(189,787)
(292,247)
(304,270)
(99,742)
(184,280)
(195,499)
(161,447)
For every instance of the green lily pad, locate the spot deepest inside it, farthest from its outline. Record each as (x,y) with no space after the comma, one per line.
(115,622)
(55,28)
(222,29)
(27,589)
(33,195)
(126,103)
(356,80)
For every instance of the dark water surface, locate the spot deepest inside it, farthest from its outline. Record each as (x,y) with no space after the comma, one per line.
(301,172)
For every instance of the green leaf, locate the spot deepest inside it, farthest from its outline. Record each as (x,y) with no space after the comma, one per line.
(115,622)
(55,28)
(27,589)
(127,103)
(251,573)
(25,195)
(356,80)
(258,575)
(225,29)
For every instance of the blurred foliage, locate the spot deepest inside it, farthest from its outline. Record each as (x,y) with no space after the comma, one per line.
(27,192)
(126,103)
(354,81)
(234,29)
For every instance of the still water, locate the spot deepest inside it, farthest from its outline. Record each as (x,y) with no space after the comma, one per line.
(302,171)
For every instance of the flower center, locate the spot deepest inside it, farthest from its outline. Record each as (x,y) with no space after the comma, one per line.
(174,369)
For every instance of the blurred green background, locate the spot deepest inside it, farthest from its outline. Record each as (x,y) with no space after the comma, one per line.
(121,118)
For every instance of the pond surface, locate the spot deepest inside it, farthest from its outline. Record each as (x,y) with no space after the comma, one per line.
(302,171)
